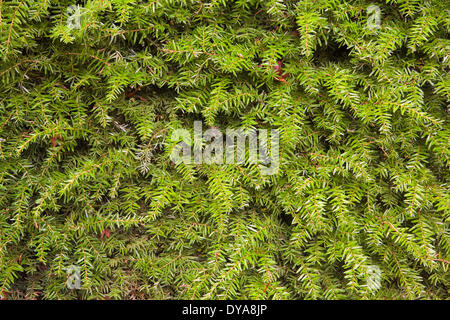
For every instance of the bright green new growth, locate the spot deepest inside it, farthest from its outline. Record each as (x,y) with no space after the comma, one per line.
(90,95)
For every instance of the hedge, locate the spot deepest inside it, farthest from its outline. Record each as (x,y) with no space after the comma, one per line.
(92,93)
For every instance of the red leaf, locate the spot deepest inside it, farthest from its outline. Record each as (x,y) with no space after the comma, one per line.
(105,232)
(279,68)
(53,140)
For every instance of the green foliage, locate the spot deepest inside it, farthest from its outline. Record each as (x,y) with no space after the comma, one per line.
(86,116)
